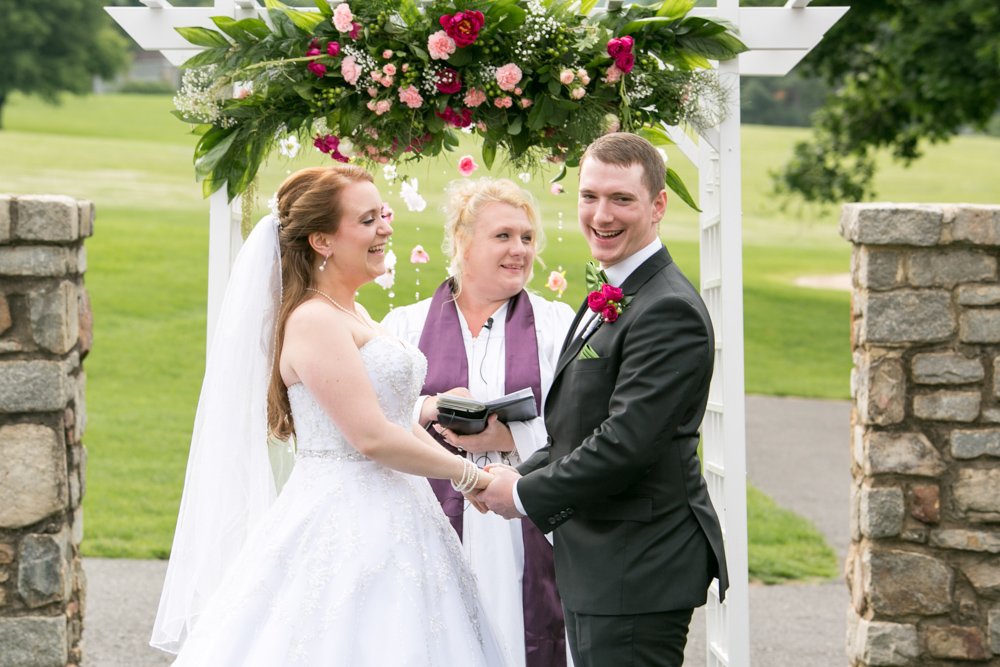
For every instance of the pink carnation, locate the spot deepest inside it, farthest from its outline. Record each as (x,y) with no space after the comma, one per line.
(508,76)
(440,45)
(349,68)
(466,165)
(503,102)
(474,97)
(343,18)
(410,96)
(380,107)
(419,256)
(389,69)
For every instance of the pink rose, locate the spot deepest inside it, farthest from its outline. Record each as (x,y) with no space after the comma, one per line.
(577,93)
(613,75)
(387,81)
(333,49)
(466,165)
(447,81)
(556,189)
(319,69)
(440,45)
(596,301)
(372,92)
(410,96)
(418,255)
(508,76)
(609,314)
(349,68)
(343,18)
(474,97)
(614,124)
(380,107)
(405,67)
(387,54)
(566,77)
(503,102)
(582,75)
(389,69)
(557,282)
(525,103)
(463,27)
(611,293)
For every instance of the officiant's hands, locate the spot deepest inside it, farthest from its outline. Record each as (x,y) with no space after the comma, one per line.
(499,495)
(495,437)
(429,408)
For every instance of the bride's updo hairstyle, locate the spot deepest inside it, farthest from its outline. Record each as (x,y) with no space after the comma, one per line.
(308,202)
(466,199)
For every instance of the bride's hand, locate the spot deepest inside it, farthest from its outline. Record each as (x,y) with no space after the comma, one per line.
(484,480)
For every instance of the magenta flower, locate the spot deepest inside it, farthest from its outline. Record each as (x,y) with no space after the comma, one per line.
(461,118)
(611,293)
(463,27)
(319,69)
(333,49)
(596,301)
(355,31)
(447,81)
(610,313)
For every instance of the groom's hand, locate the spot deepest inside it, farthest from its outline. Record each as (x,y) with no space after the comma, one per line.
(499,495)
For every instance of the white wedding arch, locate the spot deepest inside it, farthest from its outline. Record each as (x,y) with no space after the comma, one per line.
(778,38)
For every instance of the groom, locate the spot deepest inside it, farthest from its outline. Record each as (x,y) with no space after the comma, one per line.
(637,541)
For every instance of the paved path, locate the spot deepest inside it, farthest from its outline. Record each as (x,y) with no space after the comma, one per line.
(797,453)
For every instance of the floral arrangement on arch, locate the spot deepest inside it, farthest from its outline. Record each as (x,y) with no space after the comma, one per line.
(386,81)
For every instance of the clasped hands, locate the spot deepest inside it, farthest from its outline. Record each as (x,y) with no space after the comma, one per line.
(498,495)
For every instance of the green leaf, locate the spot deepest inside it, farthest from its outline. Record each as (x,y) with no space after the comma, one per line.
(324,8)
(514,126)
(463,57)
(554,86)
(513,20)
(675,9)
(206,57)
(304,21)
(716,47)
(228,25)
(638,24)
(690,61)
(675,183)
(655,135)
(587,6)
(203,37)
(594,277)
(255,27)
(489,153)
(561,175)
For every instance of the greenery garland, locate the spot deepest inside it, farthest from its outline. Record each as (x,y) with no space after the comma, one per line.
(385,81)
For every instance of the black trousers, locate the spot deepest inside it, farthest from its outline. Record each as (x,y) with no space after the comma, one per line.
(642,640)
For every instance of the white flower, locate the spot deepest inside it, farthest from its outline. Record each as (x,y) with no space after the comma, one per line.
(525,177)
(289,146)
(386,280)
(346,147)
(664,155)
(390,260)
(389,172)
(408,193)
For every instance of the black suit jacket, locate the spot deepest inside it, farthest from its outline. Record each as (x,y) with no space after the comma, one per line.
(620,481)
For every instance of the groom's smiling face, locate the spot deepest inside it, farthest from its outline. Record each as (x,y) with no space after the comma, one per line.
(617,214)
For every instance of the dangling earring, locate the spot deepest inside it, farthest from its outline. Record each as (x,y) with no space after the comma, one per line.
(322,266)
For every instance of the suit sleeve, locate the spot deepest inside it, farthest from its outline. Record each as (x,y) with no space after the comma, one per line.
(665,360)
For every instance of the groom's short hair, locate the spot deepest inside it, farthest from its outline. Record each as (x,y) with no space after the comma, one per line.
(625,149)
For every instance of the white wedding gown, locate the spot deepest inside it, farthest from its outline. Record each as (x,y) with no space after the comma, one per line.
(354,564)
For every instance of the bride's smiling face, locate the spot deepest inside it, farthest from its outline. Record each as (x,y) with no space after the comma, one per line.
(359,244)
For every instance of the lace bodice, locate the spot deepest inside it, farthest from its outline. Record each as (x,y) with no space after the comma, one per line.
(396,370)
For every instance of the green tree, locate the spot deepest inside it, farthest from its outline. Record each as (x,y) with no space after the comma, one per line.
(904,72)
(53,46)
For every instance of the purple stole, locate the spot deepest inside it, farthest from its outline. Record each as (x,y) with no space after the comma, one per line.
(442,343)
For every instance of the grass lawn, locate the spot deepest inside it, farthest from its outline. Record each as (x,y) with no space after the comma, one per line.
(147,273)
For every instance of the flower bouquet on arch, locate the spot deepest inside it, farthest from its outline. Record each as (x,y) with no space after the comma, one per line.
(385,80)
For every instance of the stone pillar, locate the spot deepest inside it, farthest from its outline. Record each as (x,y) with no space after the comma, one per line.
(45,333)
(924,564)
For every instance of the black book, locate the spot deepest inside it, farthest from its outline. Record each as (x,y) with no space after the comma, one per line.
(467,415)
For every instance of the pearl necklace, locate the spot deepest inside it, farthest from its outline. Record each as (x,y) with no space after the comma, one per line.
(352,313)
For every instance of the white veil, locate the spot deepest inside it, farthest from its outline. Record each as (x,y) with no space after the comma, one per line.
(229,483)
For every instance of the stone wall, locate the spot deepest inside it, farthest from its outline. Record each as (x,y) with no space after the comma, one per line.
(45,333)
(924,565)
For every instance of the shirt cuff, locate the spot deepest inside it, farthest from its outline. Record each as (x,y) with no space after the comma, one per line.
(517,499)
(418,408)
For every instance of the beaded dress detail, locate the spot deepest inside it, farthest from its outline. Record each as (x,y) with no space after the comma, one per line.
(354,564)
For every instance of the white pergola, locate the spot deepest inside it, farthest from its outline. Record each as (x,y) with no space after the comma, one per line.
(778,38)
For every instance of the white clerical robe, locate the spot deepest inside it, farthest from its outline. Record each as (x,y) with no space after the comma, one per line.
(494,546)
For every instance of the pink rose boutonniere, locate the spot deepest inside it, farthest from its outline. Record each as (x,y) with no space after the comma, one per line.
(605,299)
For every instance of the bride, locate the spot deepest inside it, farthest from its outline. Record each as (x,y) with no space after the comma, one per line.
(353,564)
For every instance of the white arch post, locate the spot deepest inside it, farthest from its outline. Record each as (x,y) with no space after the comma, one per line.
(778,38)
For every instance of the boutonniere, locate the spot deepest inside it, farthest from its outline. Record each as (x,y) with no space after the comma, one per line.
(604,298)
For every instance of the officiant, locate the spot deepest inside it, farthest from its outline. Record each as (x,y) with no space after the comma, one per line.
(485,336)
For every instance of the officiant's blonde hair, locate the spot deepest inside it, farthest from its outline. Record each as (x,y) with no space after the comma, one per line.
(466,198)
